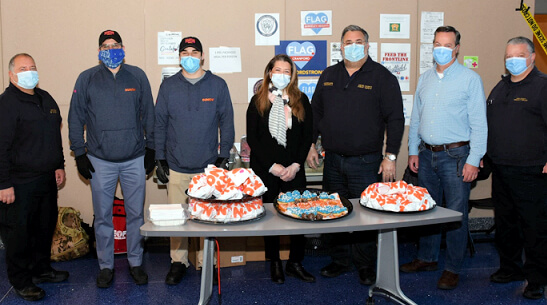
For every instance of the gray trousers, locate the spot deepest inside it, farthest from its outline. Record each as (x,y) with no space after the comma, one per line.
(103,187)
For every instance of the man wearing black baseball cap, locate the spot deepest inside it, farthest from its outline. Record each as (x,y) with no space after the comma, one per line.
(112,102)
(191,108)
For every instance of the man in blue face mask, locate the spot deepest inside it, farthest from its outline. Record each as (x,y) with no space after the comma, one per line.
(112,102)
(192,108)
(356,102)
(446,141)
(517,145)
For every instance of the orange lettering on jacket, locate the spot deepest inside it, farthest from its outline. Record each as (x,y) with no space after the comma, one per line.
(130,89)
(208,99)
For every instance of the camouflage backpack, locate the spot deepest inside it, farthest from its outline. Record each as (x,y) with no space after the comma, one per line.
(69,240)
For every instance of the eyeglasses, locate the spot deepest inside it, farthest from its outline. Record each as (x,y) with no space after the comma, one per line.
(111,46)
(349,42)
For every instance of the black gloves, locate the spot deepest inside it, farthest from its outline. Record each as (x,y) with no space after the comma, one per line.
(85,168)
(222,163)
(162,171)
(149,157)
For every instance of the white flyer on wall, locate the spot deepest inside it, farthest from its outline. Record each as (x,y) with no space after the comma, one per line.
(267,29)
(396,58)
(430,22)
(408,102)
(335,53)
(168,47)
(395,26)
(373,51)
(315,23)
(225,60)
(167,72)
(426,57)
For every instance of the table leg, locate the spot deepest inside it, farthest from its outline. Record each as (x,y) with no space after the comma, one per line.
(387,281)
(206,289)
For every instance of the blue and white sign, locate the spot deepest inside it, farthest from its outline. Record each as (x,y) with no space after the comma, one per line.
(309,56)
(314,23)
(307,86)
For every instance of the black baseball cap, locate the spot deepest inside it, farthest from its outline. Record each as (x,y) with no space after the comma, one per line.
(109,34)
(190,42)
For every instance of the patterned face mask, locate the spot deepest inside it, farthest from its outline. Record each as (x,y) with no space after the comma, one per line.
(112,58)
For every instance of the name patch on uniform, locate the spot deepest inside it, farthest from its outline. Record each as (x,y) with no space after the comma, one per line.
(53,111)
(130,89)
(208,99)
(520,99)
(328,84)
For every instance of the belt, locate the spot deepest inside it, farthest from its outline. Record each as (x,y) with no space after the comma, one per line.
(442,147)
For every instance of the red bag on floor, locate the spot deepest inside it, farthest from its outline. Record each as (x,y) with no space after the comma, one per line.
(120,230)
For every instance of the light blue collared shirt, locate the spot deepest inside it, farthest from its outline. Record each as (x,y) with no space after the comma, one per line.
(449,110)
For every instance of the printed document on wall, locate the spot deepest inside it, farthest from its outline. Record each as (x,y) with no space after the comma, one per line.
(266,29)
(396,58)
(408,102)
(395,26)
(430,22)
(225,60)
(168,47)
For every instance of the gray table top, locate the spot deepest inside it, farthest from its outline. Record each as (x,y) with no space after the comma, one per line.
(361,219)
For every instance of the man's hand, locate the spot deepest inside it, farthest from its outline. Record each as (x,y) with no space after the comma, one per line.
(278,170)
(162,171)
(388,170)
(414,163)
(7,195)
(221,163)
(85,168)
(313,157)
(60,177)
(291,172)
(149,157)
(545,169)
(470,172)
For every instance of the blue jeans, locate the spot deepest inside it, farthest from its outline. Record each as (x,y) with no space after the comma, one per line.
(441,174)
(349,176)
(103,187)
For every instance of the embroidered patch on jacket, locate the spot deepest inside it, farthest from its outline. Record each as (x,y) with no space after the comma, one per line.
(328,84)
(53,111)
(520,99)
(130,89)
(208,99)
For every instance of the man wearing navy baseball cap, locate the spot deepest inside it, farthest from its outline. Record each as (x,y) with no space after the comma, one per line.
(191,108)
(112,102)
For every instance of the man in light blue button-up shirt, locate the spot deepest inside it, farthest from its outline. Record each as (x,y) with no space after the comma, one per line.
(447,139)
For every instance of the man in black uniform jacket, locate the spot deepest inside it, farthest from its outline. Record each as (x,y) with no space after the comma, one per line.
(31,170)
(355,104)
(517,144)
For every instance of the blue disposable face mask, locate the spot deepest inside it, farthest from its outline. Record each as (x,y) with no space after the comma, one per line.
(516,65)
(112,58)
(442,55)
(27,79)
(280,81)
(189,63)
(354,52)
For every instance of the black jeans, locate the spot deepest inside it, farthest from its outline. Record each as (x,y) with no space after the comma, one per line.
(519,194)
(349,177)
(27,227)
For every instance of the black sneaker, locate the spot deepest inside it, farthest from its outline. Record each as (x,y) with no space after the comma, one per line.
(534,291)
(52,276)
(31,292)
(176,273)
(104,279)
(139,275)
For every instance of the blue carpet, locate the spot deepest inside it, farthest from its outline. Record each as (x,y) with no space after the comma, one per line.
(250,284)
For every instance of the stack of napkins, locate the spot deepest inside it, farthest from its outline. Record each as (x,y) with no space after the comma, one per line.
(167,214)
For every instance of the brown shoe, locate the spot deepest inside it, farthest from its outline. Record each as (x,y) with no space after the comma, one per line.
(418,265)
(448,280)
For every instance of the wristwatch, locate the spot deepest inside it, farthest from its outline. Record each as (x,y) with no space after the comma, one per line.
(390,157)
